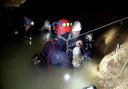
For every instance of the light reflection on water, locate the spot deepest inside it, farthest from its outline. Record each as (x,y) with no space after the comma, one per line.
(18,72)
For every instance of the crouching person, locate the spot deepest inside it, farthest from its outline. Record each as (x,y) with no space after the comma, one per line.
(53,52)
(74,45)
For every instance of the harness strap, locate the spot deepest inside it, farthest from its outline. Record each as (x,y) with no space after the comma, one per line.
(59,36)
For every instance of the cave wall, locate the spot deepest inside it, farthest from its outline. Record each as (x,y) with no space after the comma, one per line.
(107,41)
(113,69)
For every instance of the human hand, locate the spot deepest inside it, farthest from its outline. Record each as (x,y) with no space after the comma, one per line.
(79,43)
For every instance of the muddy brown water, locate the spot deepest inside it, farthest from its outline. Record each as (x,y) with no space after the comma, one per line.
(17,71)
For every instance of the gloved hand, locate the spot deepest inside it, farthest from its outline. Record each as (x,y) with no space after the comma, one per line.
(79,43)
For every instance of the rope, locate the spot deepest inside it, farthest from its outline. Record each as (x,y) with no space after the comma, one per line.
(101,27)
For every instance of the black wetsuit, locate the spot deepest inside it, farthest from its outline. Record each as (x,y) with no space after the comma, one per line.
(70,45)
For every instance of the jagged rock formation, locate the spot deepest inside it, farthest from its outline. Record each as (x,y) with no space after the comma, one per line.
(113,69)
(106,42)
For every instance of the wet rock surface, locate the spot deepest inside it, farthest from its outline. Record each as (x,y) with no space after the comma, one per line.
(113,69)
